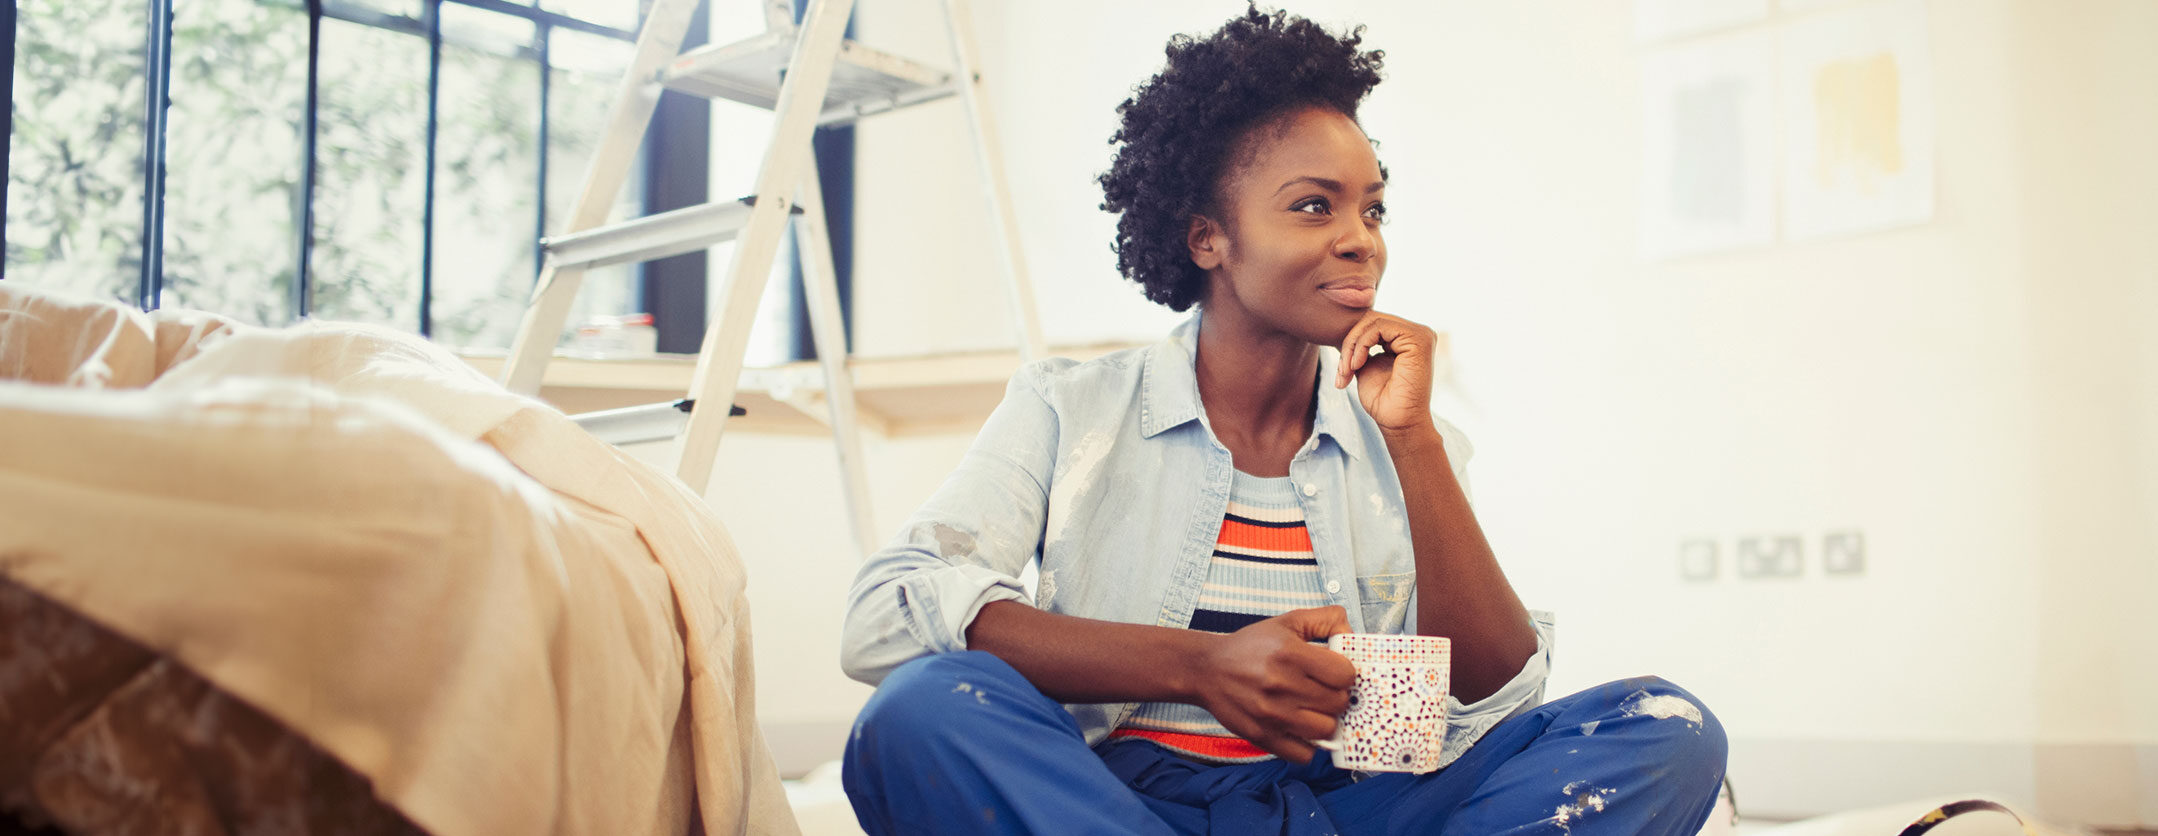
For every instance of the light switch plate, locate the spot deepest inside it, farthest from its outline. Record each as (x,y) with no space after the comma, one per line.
(1698,560)
(1780,556)
(1843,553)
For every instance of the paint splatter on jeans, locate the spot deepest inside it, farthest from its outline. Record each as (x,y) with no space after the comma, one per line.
(1637,756)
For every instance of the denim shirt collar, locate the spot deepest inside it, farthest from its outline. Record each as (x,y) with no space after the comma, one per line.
(1170,390)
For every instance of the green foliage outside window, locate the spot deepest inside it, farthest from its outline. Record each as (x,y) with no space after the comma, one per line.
(235,156)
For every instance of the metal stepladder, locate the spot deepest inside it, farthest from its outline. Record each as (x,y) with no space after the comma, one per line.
(808,75)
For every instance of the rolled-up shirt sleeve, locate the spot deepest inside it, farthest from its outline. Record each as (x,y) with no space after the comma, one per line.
(1466,724)
(964,548)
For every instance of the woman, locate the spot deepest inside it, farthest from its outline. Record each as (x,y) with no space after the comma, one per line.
(1205,509)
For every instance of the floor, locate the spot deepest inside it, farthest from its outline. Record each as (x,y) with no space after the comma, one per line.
(820,807)
(820,804)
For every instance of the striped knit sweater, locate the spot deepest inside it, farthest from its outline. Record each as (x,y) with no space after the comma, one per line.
(1262,567)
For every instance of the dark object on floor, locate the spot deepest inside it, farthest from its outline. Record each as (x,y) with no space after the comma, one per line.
(101,735)
(1958,808)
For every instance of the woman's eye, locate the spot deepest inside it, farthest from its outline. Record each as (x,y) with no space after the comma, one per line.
(1310,206)
(1377,212)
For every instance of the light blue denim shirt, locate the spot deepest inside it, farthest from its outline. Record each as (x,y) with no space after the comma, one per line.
(1108,474)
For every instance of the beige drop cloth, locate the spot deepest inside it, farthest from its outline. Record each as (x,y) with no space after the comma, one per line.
(504,624)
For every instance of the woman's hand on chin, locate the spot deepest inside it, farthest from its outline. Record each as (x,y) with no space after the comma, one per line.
(1395,386)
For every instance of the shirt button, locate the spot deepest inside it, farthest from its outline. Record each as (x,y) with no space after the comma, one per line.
(1311,489)
(1333,587)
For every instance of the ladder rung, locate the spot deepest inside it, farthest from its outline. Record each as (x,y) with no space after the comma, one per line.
(850,112)
(634,424)
(653,236)
(864,80)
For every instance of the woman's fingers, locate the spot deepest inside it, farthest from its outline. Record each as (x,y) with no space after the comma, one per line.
(1382,364)
(1347,366)
(1399,336)
(1286,727)
(1329,670)
(1332,700)
(1293,749)
(1313,725)
(1274,734)
(1281,692)
(1316,623)
(1356,347)
(1327,700)
(1291,738)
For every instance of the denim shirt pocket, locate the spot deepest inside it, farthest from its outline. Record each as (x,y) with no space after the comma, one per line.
(1385,600)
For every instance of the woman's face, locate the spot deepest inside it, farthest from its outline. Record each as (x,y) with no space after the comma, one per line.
(1300,249)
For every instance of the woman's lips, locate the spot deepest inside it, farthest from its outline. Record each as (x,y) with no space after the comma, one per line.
(1350,295)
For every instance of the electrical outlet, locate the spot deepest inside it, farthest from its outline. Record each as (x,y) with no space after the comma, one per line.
(1782,556)
(1698,560)
(1843,553)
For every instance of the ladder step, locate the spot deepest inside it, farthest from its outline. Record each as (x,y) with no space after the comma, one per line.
(864,81)
(653,236)
(634,424)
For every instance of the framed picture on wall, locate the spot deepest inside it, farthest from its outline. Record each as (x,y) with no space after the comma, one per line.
(1708,163)
(1858,115)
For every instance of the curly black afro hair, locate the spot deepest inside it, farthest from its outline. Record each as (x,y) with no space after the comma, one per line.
(1181,127)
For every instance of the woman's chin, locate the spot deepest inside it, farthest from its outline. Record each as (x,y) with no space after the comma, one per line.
(1334,330)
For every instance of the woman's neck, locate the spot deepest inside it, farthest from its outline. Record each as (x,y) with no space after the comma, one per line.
(1257,387)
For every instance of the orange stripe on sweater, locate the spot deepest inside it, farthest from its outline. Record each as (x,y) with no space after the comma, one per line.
(1247,536)
(1203,745)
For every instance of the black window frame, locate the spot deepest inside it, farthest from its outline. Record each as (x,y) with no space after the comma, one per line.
(677,148)
(7,119)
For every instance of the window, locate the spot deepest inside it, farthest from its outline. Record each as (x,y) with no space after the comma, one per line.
(281,199)
(76,142)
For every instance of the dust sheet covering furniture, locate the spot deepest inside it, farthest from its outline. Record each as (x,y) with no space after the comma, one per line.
(329,579)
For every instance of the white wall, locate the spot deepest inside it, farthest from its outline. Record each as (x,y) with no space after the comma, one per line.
(2091,302)
(779,496)
(1978,395)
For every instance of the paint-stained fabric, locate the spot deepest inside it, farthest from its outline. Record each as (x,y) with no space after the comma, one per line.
(1108,474)
(501,623)
(961,743)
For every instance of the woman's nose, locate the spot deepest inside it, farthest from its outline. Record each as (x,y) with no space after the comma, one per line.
(1357,243)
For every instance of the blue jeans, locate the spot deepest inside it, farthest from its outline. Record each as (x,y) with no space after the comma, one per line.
(962,743)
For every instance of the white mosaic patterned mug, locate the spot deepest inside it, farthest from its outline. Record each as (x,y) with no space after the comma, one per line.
(1396,720)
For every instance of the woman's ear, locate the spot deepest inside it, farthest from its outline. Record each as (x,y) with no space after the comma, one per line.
(1206,240)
